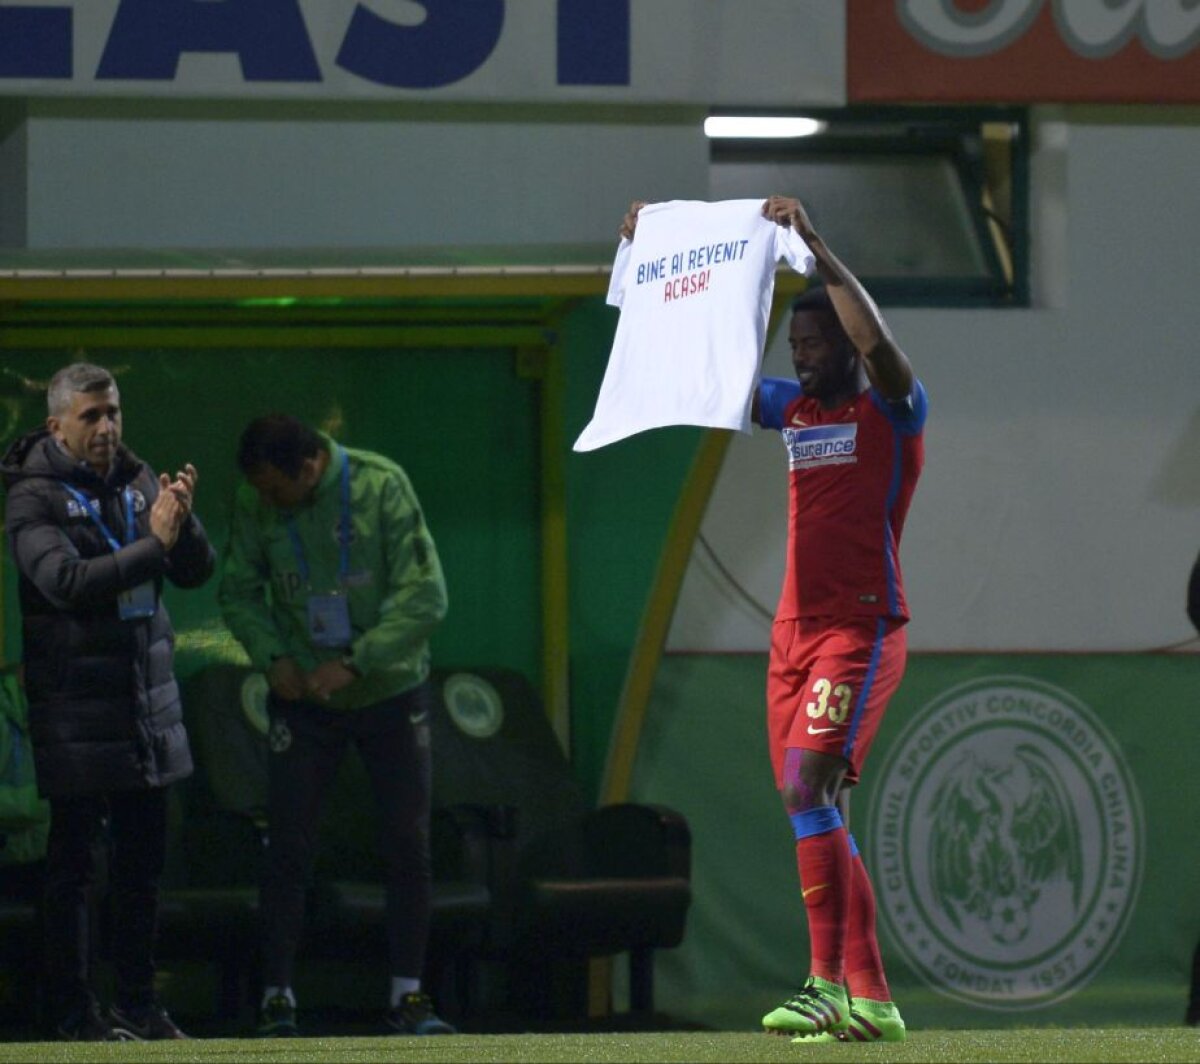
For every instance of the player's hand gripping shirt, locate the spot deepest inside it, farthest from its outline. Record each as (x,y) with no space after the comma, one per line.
(694,289)
(852,474)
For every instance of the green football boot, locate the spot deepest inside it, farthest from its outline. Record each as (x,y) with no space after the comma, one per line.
(870,1021)
(818,1007)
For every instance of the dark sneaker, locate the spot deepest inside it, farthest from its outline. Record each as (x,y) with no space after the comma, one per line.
(277,1019)
(415,1015)
(144,1023)
(88,1025)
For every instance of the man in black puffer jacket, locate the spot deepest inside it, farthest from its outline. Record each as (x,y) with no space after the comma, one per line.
(93,533)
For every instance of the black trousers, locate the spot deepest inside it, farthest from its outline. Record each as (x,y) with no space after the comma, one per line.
(137,836)
(307,742)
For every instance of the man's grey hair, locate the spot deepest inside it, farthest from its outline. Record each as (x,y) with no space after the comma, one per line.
(73,379)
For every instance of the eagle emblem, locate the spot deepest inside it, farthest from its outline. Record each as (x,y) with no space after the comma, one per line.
(1000,834)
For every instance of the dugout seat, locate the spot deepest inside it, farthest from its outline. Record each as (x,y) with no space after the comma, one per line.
(569,882)
(219,834)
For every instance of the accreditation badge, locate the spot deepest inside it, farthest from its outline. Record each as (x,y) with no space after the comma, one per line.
(137,603)
(329,620)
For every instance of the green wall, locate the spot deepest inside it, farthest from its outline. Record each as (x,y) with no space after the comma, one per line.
(1076,777)
(460,422)
(620,500)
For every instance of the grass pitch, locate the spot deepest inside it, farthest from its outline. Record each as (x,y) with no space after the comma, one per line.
(1034,1045)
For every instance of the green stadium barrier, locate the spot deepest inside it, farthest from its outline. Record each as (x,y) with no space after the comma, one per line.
(1028,821)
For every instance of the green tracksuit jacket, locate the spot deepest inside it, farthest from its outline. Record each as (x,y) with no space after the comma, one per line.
(396,590)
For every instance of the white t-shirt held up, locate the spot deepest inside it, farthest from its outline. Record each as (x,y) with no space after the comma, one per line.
(694,289)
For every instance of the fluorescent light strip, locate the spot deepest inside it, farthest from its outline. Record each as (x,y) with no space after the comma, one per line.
(762,126)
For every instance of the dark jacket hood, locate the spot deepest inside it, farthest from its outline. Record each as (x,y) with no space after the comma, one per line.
(36,454)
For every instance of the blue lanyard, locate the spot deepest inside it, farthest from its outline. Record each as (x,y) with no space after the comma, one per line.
(94,514)
(344,528)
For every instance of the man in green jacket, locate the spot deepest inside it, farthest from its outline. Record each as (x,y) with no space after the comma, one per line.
(332,585)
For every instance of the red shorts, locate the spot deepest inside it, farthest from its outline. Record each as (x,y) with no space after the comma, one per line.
(829,682)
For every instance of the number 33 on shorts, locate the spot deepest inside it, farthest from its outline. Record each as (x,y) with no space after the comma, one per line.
(832,703)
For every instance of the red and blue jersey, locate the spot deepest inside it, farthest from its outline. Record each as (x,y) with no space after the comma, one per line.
(853,470)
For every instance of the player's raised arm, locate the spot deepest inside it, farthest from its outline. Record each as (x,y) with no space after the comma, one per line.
(887,366)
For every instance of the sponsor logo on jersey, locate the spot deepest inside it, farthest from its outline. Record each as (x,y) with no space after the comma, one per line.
(821,445)
(1007,843)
